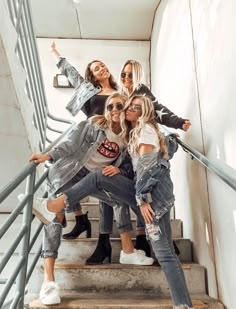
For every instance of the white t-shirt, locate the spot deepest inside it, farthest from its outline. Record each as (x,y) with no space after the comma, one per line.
(107,152)
(148,136)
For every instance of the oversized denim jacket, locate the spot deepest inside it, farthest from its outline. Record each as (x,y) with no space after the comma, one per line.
(84,90)
(153,182)
(72,154)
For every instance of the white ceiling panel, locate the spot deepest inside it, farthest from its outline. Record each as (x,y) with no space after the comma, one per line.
(55,19)
(94,19)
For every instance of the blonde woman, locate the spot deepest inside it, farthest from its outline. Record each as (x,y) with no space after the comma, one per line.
(92,145)
(154,190)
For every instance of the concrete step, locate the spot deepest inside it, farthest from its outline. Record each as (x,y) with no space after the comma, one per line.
(75,300)
(117,277)
(176,226)
(9,237)
(79,250)
(14,229)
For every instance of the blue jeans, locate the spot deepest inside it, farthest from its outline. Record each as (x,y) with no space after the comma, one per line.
(118,190)
(105,218)
(159,234)
(53,231)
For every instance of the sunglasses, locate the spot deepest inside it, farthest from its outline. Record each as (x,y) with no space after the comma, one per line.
(119,106)
(129,75)
(134,108)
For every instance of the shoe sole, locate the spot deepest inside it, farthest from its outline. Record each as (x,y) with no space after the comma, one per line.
(50,303)
(69,238)
(40,216)
(142,264)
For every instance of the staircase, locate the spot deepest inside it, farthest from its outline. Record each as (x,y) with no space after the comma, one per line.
(114,285)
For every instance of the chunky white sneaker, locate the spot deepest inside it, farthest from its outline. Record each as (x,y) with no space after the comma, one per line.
(40,210)
(135,258)
(49,294)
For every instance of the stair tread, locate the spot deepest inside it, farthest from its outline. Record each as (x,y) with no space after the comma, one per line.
(105,301)
(69,218)
(111,239)
(77,265)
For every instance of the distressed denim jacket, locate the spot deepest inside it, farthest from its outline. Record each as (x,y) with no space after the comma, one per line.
(84,90)
(153,182)
(72,154)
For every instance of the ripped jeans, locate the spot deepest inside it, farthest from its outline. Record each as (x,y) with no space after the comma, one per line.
(82,185)
(159,234)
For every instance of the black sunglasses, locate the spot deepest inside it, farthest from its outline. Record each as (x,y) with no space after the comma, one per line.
(119,106)
(129,75)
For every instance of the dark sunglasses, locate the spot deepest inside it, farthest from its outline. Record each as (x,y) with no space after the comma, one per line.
(134,108)
(119,106)
(129,75)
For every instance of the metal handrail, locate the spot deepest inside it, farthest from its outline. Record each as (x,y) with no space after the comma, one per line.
(213,167)
(20,274)
(27,52)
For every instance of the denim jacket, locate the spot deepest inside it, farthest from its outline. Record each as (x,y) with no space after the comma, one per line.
(84,90)
(72,154)
(153,182)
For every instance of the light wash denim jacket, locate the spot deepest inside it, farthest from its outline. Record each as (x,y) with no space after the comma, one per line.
(84,90)
(72,154)
(153,182)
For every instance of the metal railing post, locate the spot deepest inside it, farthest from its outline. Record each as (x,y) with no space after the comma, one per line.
(24,249)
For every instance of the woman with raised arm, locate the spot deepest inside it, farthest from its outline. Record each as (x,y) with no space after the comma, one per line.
(89,96)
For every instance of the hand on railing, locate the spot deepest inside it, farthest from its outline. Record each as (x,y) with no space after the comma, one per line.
(40,157)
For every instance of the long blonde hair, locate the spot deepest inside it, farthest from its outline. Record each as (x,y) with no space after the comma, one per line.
(147,117)
(105,119)
(137,71)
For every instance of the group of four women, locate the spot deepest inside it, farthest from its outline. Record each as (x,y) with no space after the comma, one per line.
(94,160)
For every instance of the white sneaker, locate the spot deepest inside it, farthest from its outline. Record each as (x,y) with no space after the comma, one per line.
(40,210)
(139,251)
(135,258)
(49,294)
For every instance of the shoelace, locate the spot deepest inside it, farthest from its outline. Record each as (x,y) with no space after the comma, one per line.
(49,287)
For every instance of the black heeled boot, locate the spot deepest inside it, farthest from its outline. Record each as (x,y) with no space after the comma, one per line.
(82,224)
(102,251)
(142,244)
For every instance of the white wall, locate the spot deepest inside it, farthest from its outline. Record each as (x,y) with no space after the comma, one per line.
(17,136)
(205,93)
(80,53)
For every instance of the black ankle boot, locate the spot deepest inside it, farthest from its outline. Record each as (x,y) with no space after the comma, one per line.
(102,251)
(82,224)
(142,244)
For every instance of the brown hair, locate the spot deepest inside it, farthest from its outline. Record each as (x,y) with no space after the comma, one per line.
(89,77)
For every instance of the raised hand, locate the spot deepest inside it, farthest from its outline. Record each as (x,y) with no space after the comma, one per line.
(186,125)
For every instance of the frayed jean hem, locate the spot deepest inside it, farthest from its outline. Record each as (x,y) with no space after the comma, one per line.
(47,254)
(182,306)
